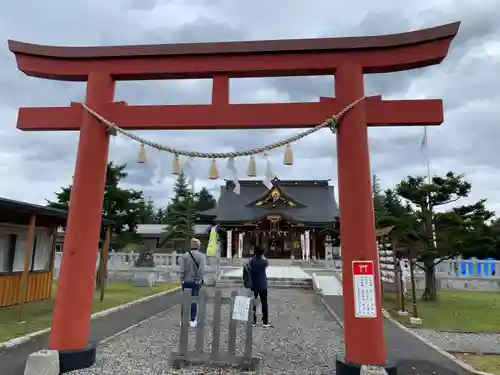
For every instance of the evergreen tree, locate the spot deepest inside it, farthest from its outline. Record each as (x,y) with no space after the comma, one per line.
(160,216)
(204,200)
(387,205)
(148,212)
(379,208)
(443,235)
(434,236)
(180,216)
(124,207)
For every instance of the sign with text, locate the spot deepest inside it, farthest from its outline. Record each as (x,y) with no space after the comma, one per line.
(241,308)
(365,301)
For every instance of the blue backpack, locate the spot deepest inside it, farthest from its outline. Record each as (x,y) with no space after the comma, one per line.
(247,276)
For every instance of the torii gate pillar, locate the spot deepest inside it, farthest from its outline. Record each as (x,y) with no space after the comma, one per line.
(357,219)
(347,58)
(77,274)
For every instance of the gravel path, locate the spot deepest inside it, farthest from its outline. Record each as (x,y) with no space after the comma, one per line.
(488,343)
(304,340)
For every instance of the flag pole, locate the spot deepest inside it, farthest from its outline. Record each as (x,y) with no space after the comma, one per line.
(424,147)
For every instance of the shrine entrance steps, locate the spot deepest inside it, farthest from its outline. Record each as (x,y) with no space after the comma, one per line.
(278,277)
(306,265)
(324,281)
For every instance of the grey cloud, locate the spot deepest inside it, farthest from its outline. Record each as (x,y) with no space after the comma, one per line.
(479,23)
(469,80)
(143,4)
(479,20)
(203,29)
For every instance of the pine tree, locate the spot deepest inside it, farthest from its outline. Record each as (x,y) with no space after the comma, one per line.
(378,200)
(204,200)
(180,216)
(125,208)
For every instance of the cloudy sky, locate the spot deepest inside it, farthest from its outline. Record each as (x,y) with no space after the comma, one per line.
(34,165)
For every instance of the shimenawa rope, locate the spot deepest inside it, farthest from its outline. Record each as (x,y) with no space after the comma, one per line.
(332,123)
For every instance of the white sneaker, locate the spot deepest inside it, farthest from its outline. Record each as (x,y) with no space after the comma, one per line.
(193,323)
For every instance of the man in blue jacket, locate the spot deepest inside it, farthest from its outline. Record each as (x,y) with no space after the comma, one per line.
(258,267)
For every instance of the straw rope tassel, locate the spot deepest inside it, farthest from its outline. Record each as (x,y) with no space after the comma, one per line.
(142,158)
(176,165)
(252,168)
(213,172)
(288,157)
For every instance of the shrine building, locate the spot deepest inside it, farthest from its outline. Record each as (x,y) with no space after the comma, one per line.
(275,217)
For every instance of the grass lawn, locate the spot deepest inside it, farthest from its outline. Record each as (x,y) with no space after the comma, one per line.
(466,311)
(486,363)
(38,315)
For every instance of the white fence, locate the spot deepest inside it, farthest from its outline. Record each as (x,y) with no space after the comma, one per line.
(467,268)
(458,274)
(121,266)
(120,261)
(459,268)
(465,274)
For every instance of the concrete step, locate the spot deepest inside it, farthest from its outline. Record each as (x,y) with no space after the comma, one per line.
(273,272)
(327,285)
(273,283)
(301,279)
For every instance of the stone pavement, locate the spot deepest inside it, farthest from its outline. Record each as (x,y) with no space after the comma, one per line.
(13,361)
(273,272)
(304,340)
(462,342)
(412,355)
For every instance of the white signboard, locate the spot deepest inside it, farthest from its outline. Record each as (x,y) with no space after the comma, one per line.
(365,301)
(229,247)
(307,243)
(240,245)
(241,308)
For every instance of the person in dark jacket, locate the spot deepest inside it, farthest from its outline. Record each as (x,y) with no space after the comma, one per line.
(258,267)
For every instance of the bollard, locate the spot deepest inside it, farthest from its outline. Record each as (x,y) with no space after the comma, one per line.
(43,362)
(372,370)
(347,368)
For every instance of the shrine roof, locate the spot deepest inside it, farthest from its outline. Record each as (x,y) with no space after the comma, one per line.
(306,201)
(17,212)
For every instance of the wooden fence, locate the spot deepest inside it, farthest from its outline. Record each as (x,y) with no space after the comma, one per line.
(238,312)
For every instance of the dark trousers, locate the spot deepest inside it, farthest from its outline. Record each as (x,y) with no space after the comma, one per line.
(262,295)
(195,291)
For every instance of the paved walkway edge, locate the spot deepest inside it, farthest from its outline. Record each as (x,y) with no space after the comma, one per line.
(333,313)
(129,328)
(388,316)
(460,363)
(22,339)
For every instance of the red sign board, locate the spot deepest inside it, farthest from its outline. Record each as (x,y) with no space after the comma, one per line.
(363,267)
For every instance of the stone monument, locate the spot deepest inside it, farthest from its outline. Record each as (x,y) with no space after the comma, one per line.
(144,274)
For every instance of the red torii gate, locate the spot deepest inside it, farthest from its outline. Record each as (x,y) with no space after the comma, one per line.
(347,58)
